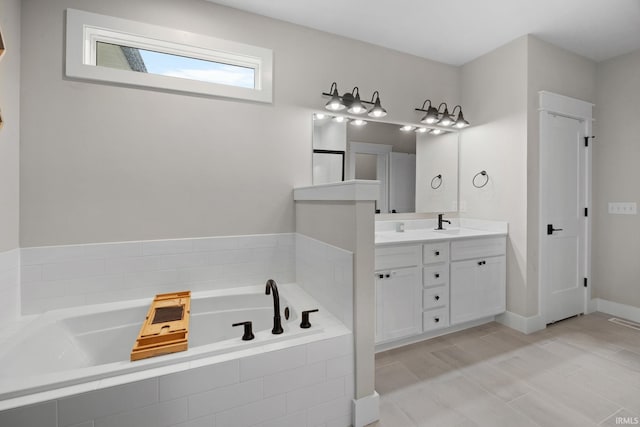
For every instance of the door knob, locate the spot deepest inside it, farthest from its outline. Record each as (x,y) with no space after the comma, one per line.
(550,229)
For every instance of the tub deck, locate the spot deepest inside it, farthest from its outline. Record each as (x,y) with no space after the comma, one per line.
(89,346)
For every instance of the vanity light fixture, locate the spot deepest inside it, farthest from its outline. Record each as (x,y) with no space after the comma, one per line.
(460,121)
(446,119)
(406,128)
(358,122)
(436,131)
(421,130)
(339,119)
(319,116)
(356,106)
(352,102)
(432,114)
(335,103)
(437,116)
(377,110)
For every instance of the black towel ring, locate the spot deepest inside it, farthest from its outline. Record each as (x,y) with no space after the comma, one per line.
(439,181)
(483,173)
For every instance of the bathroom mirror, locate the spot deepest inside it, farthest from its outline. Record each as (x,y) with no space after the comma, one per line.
(402,161)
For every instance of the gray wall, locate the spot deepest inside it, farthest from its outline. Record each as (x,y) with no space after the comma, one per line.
(616,175)
(494,96)
(500,91)
(10,133)
(106,163)
(556,70)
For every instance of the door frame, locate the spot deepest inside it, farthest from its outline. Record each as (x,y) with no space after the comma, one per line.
(559,105)
(382,165)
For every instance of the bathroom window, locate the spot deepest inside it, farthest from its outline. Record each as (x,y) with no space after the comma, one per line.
(113,50)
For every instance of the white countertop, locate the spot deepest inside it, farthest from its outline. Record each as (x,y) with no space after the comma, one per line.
(424,231)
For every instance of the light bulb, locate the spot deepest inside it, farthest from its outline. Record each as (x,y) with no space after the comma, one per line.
(406,128)
(421,130)
(358,122)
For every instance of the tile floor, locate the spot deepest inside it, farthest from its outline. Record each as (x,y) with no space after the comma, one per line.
(584,371)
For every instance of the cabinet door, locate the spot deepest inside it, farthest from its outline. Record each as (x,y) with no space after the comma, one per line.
(398,303)
(463,301)
(491,283)
(477,288)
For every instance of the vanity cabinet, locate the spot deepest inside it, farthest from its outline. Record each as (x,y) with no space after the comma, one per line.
(398,292)
(478,279)
(433,285)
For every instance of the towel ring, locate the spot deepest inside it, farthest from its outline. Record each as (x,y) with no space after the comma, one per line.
(439,181)
(486,180)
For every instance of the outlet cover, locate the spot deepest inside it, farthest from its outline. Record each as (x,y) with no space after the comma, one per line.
(623,208)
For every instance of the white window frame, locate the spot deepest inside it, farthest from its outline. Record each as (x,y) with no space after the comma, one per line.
(85,29)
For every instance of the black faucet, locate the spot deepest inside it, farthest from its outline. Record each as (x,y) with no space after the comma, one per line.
(440,221)
(277,323)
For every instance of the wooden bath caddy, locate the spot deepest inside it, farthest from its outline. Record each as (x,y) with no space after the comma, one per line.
(166,327)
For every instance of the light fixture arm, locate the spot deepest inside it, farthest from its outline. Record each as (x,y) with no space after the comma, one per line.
(332,89)
(445,107)
(424,104)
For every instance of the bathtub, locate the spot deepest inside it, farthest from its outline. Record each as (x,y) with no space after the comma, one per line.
(64,352)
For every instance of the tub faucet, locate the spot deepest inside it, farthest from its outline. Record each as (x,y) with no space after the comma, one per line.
(440,221)
(277,323)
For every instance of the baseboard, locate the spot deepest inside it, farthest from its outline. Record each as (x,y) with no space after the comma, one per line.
(389,345)
(366,410)
(526,325)
(625,311)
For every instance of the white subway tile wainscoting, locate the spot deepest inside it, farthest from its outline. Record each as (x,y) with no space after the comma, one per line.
(303,378)
(258,390)
(63,276)
(9,285)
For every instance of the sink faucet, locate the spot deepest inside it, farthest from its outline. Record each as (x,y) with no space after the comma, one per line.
(277,323)
(440,221)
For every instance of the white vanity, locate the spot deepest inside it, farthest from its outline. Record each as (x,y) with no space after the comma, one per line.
(429,282)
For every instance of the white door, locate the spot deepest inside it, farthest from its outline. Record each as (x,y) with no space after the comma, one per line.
(402,182)
(563,178)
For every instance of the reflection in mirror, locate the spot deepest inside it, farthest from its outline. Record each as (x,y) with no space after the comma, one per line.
(381,151)
(437,176)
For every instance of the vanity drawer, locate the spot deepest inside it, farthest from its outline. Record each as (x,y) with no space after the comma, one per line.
(478,248)
(435,252)
(435,319)
(397,256)
(435,275)
(435,297)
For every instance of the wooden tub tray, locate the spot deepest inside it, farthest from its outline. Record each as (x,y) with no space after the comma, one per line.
(166,328)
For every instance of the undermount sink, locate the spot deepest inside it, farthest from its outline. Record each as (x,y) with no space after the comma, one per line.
(449,231)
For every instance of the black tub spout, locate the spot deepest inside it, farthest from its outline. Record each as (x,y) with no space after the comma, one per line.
(277,322)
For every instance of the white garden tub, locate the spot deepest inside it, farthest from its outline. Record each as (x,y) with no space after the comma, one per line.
(76,346)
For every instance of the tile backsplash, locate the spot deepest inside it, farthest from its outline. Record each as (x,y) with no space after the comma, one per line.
(326,273)
(9,284)
(62,276)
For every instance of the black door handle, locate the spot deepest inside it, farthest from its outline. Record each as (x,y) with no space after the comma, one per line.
(550,229)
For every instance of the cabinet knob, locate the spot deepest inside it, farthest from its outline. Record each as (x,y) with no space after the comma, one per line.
(437,253)
(437,297)
(437,275)
(380,276)
(387,275)
(482,262)
(436,319)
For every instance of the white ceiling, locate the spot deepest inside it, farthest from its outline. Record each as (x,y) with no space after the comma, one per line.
(457,31)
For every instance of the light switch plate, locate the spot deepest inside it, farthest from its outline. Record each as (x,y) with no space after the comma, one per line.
(623,208)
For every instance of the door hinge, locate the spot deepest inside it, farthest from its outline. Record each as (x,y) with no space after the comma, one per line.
(586,140)
(586,211)
(585,282)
